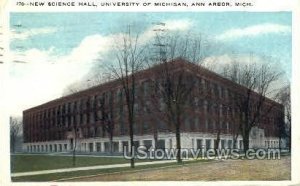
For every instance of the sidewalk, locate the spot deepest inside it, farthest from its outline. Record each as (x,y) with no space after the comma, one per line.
(32,173)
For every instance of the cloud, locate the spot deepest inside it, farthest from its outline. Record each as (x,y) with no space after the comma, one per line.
(45,75)
(23,35)
(178,25)
(253,31)
(218,62)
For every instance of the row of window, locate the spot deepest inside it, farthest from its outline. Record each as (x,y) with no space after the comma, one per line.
(87,110)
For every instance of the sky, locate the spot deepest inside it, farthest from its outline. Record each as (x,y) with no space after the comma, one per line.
(53,50)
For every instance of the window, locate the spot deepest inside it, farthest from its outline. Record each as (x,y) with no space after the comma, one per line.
(187,123)
(205,107)
(146,88)
(192,124)
(125,146)
(199,143)
(147,143)
(106,146)
(162,125)
(220,110)
(161,144)
(146,127)
(98,131)
(215,90)
(197,123)
(98,147)
(115,146)
(136,144)
(91,147)
(135,128)
(207,144)
(222,144)
(229,144)
(241,144)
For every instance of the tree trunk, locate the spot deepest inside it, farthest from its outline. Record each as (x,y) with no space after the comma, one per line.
(131,143)
(111,143)
(155,136)
(279,144)
(235,141)
(74,147)
(217,141)
(246,141)
(74,158)
(178,141)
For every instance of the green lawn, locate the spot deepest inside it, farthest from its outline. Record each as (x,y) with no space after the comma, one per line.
(25,163)
(56,176)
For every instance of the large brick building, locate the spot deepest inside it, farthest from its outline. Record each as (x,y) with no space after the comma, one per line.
(50,127)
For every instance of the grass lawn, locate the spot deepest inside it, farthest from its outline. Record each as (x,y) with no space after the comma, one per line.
(25,163)
(56,176)
(224,170)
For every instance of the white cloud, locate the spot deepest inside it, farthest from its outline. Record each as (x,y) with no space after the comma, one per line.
(218,62)
(255,30)
(178,25)
(46,75)
(23,35)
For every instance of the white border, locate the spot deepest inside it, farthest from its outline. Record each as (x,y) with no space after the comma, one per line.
(259,6)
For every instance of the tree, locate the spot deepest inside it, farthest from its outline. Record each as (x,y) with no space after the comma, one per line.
(130,58)
(75,135)
(15,129)
(106,109)
(174,85)
(252,102)
(284,98)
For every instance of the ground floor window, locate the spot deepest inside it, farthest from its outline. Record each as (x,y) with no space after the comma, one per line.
(207,144)
(241,144)
(125,144)
(91,147)
(98,147)
(116,146)
(147,143)
(161,144)
(229,145)
(222,144)
(106,146)
(199,143)
(136,144)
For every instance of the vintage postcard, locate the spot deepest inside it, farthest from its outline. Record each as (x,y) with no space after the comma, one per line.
(123,92)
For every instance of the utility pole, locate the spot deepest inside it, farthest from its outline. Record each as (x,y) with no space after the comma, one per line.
(160,42)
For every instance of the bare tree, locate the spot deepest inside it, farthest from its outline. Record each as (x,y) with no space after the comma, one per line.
(130,58)
(74,143)
(174,85)
(284,98)
(106,109)
(252,103)
(15,129)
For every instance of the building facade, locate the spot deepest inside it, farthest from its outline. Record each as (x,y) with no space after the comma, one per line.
(77,121)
